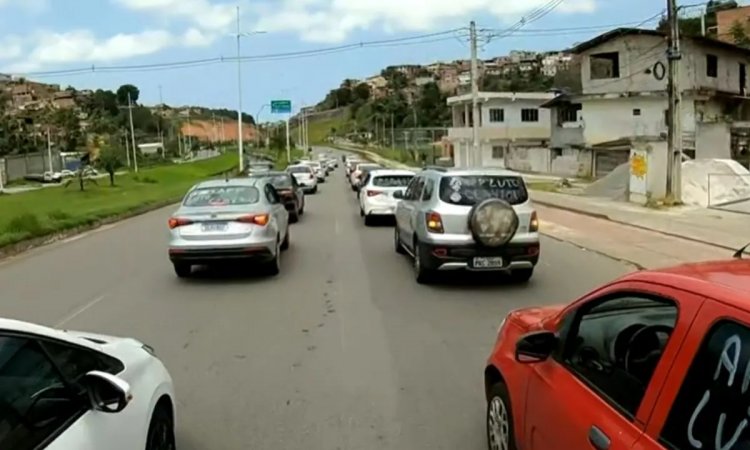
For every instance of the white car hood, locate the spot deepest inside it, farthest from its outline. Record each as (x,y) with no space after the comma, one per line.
(128,350)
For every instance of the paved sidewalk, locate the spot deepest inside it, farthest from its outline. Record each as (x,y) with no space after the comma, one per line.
(718,228)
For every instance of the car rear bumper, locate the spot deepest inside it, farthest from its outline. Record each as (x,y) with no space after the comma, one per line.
(260,250)
(450,258)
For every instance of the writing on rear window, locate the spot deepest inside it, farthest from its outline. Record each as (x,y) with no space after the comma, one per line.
(392,180)
(222,196)
(468,190)
(711,409)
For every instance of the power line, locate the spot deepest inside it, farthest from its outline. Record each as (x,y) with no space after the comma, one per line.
(395,42)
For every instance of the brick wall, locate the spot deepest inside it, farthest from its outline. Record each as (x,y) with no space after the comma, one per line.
(725,20)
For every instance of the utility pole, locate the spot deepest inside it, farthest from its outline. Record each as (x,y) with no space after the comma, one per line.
(288,143)
(49,151)
(674,131)
(127,147)
(132,134)
(393,133)
(240,150)
(189,135)
(158,124)
(476,150)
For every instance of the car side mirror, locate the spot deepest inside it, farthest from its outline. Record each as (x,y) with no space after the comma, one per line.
(107,393)
(398,195)
(536,346)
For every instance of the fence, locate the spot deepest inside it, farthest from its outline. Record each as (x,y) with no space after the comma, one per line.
(19,166)
(729,192)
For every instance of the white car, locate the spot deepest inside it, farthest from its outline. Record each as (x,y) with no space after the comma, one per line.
(65,390)
(376,195)
(320,171)
(305,176)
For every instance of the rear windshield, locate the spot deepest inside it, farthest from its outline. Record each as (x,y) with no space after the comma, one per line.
(279,181)
(392,180)
(222,196)
(468,190)
(300,169)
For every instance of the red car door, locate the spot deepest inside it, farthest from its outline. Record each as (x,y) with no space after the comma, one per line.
(706,404)
(599,388)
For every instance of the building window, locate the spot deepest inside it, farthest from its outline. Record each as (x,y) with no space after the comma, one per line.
(712,66)
(605,66)
(498,152)
(636,112)
(556,153)
(497,115)
(569,113)
(529,115)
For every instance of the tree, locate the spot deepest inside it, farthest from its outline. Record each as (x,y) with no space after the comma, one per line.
(432,106)
(110,160)
(739,36)
(124,90)
(66,121)
(362,92)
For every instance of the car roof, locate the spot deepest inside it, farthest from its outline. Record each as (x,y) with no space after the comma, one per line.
(270,173)
(40,330)
(307,166)
(392,172)
(497,171)
(727,281)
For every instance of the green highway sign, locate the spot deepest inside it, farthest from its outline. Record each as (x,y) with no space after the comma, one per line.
(281,106)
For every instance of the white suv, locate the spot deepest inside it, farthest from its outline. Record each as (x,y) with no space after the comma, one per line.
(376,197)
(468,219)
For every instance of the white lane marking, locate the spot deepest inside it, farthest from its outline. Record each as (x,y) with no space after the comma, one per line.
(79,311)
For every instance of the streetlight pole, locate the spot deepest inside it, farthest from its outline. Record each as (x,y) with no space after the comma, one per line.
(240,150)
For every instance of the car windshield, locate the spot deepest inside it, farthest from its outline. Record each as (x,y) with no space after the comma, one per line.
(468,190)
(222,196)
(300,169)
(279,181)
(392,180)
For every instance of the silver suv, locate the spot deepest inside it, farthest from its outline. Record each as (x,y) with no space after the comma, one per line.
(467,219)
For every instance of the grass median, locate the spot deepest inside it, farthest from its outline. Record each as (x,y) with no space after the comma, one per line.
(52,210)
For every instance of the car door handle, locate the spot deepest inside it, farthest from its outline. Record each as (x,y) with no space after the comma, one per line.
(598,439)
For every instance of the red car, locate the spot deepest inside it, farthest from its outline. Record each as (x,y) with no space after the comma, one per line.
(654,360)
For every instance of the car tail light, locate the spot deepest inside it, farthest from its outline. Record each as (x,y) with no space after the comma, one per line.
(434,222)
(534,224)
(175,222)
(373,193)
(257,219)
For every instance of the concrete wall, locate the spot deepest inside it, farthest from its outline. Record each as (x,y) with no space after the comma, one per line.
(566,134)
(613,118)
(511,128)
(528,159)
(17,167)
(572,163)
(713,140)
(654,186)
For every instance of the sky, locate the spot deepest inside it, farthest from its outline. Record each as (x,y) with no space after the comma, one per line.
(91,44)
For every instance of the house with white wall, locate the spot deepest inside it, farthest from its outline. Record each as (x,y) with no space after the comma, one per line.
(624,98)
(513,130)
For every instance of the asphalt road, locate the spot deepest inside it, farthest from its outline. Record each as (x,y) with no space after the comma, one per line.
(342,351)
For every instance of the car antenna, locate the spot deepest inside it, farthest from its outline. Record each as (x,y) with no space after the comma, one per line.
(738,254)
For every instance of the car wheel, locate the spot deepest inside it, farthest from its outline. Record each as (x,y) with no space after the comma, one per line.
(273,267)
(161,431)
(294,216)
(285,244)
(422,274)
(521,275)
(183,270)
(500,435)
(302,209)
(397,241)
(368,221)
(361,212)
(315,190)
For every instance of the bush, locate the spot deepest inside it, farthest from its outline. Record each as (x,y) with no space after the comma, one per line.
(58,215)
(25,223)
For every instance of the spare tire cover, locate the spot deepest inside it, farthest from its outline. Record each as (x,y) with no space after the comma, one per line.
(493,222)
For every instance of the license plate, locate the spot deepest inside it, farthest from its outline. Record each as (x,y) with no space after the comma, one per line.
(221,226)
(492,262)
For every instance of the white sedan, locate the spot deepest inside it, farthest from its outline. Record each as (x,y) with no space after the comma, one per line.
(65,390)
(376,195)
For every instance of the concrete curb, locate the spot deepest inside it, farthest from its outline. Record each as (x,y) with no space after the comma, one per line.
(632,225)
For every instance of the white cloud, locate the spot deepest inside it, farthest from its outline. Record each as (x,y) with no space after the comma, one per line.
(334,20)
(202,13)
(194,37)
(11,47)
(81,47)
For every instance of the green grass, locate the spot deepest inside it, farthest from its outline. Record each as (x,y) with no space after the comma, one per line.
(546,186)
(50,210)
